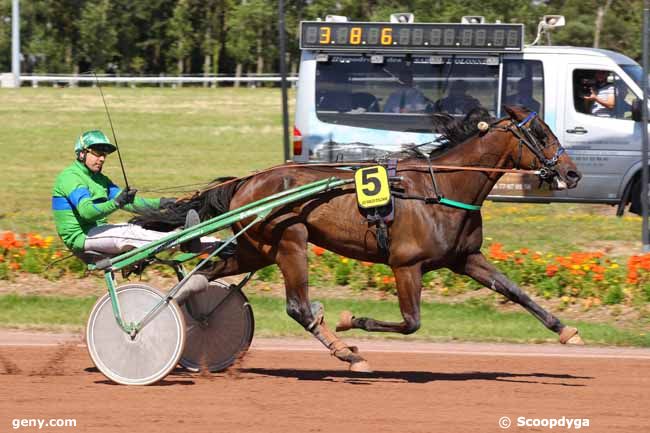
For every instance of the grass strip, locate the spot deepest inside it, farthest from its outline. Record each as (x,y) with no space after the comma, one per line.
(468,321)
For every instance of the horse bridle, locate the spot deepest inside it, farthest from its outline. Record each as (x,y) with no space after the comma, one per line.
(528,139)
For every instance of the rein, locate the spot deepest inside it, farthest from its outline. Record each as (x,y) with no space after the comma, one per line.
(525,137)
(519,130)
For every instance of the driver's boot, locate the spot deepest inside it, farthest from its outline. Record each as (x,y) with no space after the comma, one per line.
(193,245)
(196,284)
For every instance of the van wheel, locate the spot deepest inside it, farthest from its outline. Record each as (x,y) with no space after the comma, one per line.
(632,195)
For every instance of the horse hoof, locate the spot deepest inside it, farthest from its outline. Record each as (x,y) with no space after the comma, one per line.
(360,367)
(569,335)
(576,340)
(345,321)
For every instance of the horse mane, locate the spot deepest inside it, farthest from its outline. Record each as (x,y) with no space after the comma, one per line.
(208,203)
(454,130)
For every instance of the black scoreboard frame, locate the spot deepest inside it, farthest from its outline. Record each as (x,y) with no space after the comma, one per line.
(411,37)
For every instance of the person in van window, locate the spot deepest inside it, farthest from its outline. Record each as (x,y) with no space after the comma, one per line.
(458,101)
(524,95)
(332,92)
(408,98)
(602,97)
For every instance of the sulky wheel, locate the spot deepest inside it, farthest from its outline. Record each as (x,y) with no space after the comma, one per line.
(154,351)
(220,328)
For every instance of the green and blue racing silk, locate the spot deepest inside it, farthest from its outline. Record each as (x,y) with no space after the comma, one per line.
(82,200)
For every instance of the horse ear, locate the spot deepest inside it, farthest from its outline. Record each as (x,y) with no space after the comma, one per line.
(508,109)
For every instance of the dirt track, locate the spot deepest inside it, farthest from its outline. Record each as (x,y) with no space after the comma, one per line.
(286,386)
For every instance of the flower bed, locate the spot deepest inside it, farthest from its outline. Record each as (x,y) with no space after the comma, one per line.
(587,277)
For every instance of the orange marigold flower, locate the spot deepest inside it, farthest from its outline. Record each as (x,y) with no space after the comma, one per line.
(35,240)
(524,251)
(7,240)
(598,269)
(14,266)
(366,264)
(551,270)
(599,277)
(319,251)
(496,252)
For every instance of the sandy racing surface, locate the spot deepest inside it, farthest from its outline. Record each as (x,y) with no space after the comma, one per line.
(294,386)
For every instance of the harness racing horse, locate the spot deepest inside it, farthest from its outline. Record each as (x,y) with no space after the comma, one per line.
(425,234)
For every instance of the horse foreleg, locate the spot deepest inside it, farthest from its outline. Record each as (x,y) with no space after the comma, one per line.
(409,286)
(291,258)
(478,267)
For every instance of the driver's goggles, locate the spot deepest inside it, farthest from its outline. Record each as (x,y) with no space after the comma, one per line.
(97,153)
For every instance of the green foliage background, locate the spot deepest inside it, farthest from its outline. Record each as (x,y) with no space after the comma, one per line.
(227,36)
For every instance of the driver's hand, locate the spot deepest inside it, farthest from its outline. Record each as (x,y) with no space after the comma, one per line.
(127,196)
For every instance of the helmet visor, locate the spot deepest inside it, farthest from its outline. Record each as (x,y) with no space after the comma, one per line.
(102,147)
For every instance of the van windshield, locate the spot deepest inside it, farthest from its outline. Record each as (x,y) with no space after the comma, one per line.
(401,93)
(635,72)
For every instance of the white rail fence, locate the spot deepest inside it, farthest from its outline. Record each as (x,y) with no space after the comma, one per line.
(251,80)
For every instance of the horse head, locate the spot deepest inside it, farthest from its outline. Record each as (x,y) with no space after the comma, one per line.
(539,149)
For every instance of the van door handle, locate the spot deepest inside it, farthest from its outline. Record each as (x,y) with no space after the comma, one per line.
(577,130)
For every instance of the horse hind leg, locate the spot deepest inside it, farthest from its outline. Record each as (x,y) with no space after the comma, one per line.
(409,286)
(478,267)
(291,258)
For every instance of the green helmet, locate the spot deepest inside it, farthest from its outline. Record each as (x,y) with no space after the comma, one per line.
(95,139)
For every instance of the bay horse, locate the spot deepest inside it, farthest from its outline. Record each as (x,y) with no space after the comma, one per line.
(425,234)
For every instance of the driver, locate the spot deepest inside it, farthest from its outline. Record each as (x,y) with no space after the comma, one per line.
(83,197)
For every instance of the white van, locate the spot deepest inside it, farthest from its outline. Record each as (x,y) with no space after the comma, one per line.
(365,89)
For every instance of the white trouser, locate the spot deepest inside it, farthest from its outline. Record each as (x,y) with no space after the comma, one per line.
(117,238)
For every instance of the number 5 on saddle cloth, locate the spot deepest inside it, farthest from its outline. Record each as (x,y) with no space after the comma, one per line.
(374,199)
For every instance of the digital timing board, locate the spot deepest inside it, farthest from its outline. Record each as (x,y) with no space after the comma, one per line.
(356,36)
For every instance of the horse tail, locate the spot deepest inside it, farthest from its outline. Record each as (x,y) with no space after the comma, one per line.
(208,203)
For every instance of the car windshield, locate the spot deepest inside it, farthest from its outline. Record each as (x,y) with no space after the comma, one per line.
(401,93)
(634,71)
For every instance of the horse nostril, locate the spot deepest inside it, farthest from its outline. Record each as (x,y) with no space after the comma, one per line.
(574,175)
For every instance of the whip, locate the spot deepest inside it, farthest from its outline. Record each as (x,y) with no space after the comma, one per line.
(119,155)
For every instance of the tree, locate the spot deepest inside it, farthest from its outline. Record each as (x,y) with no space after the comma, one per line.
(5,35)
(252,34)
(97,36)
(180,31)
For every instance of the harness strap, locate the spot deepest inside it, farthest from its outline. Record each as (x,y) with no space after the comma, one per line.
(530,116)
(438,200)
(454,203)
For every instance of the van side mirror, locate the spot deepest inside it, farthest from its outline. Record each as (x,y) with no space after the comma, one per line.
(637,114)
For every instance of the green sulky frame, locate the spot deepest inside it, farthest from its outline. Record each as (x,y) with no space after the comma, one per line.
(259,210)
